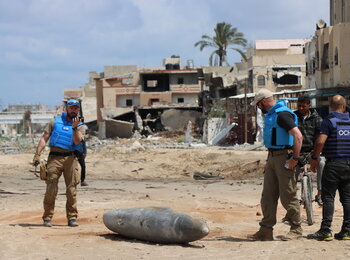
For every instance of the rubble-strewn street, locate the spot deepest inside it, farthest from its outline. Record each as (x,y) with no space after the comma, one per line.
(124,173)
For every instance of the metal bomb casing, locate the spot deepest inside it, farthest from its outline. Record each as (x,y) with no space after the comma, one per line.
(155,224)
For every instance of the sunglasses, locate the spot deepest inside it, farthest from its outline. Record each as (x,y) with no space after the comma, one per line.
(73,103)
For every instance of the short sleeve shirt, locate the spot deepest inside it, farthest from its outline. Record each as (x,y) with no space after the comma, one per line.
(286,120)
(326,127)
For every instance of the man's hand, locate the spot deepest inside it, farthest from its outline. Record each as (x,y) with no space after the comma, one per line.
(36,159)
(76,120)
(291,163)
(314,165)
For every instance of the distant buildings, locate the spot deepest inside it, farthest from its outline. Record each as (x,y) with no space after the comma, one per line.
(318,67)
(24,119)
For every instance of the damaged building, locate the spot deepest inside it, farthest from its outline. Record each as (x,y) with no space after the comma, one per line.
(277,65)
(328,55)
(126,93)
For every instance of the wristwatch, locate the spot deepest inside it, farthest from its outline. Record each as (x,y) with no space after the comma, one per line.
(297,158)
(75,128)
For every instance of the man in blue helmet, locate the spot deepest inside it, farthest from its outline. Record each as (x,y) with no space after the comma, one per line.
(66,133)
(281,135)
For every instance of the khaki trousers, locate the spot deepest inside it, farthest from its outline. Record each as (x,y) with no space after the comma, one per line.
(56,165)
(279,182)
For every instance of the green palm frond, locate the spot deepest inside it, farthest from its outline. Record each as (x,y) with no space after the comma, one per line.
(225,36)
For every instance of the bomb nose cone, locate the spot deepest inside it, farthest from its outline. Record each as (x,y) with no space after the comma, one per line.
(205,230)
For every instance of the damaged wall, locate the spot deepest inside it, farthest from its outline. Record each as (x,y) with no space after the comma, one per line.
(149,99)
(175,119)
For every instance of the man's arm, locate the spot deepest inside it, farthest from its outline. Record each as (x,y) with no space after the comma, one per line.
(41,145)
(77,137)
(298,141)
(42,142)
(321,140)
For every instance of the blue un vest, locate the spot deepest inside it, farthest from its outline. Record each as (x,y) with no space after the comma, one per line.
(338,141)
(62,134)
(276,137)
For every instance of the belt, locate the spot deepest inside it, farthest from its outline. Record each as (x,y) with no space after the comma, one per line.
(274,152)
(61,154)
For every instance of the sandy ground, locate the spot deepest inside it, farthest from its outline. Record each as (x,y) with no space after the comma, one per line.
(123,178)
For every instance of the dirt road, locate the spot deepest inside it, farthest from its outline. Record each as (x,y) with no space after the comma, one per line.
(123,178)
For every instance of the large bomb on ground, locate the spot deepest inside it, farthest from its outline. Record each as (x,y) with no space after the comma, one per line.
(155,224)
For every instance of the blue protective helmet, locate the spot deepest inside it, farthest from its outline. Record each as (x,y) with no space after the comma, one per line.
(73,102)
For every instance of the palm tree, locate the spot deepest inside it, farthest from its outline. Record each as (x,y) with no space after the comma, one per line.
(225,35)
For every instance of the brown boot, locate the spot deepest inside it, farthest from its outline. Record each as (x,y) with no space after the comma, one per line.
(262,235)
(295,232)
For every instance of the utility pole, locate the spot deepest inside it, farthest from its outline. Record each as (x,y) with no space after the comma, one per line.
(245,111)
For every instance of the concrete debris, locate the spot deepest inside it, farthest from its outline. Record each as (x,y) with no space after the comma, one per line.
(206,176)
(162,140)
(118,128)
(136,147)
(222,134)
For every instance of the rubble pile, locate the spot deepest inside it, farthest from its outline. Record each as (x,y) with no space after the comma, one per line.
(9,145)
(166,140)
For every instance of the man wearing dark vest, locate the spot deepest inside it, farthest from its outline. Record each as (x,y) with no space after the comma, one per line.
(66,134)
(334,143)
(281,135)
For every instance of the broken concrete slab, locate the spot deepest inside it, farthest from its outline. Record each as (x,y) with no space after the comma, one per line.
(118,128)
(222,134)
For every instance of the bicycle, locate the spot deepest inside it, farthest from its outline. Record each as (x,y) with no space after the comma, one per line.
(306,189)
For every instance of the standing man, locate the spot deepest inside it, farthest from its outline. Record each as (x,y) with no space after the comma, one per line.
(334,143)
(81,155)
(281,134)
(65,133)
(309,123)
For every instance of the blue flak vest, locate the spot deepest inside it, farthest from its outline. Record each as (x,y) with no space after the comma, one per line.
(337,144)
(276,137)
(62,134)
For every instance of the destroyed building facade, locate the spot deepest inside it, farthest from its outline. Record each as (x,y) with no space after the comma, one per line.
(328,54)
(122,89)
(277,65)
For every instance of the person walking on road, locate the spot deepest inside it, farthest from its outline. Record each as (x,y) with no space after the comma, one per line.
(66,134)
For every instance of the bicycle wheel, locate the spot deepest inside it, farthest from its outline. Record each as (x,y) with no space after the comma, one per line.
(307,198)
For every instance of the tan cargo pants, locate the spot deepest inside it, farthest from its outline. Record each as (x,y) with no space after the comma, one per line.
(279,182)
(56,165)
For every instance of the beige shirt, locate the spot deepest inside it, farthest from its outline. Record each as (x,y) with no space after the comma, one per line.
(49,128)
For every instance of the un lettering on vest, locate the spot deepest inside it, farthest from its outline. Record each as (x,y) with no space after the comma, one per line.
(65,128)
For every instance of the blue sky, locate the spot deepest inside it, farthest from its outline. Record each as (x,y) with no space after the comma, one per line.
(49,45)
